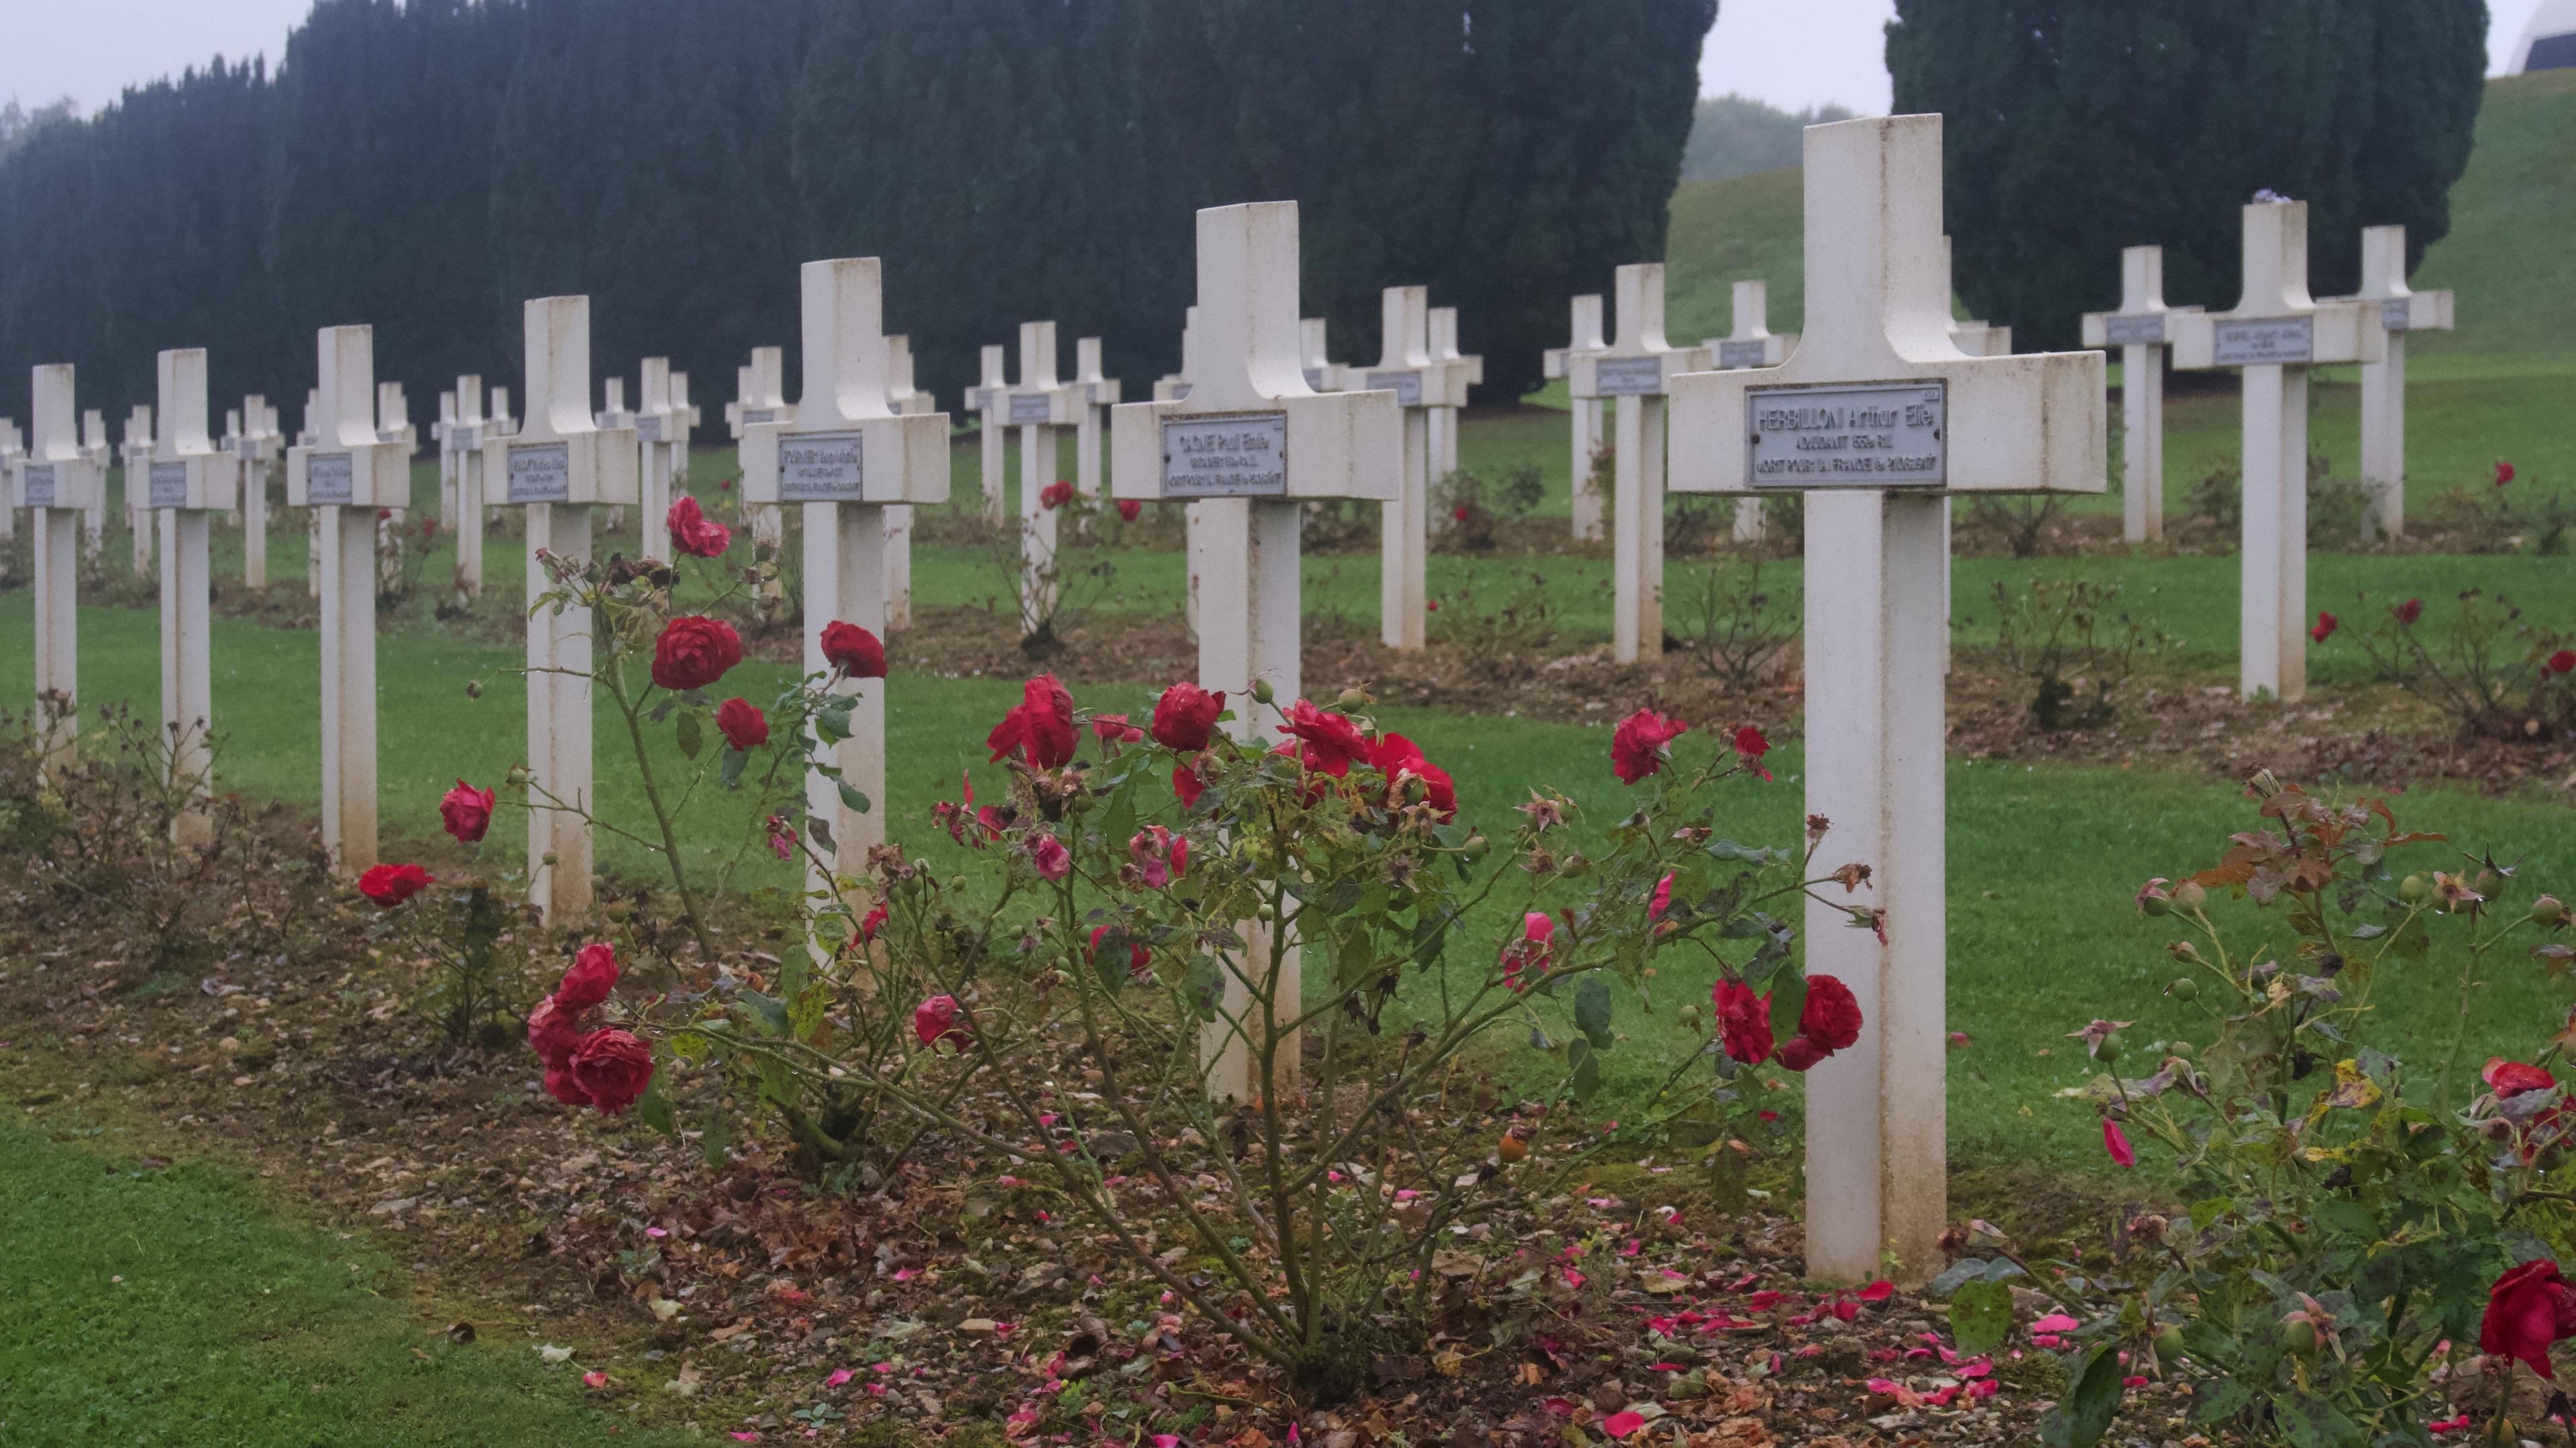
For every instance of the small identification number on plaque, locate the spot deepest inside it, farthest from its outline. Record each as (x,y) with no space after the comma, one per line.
(2141,329)
(329,480)
(1628,376)
(2397,314)
(541,472)
(1244,455)
(1743,354)
(1407,386)
(821,467)
(1029,409)
(2261,341)
(169,486)
(40,485)
(1874,435)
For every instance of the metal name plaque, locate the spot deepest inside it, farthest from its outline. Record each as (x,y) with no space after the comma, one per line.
(1743,354)
(541,472)
(328,479)
(1407,386)
(2139,329)
(2396,314)
(39,479)
(1874,435)
(1628,376)
(1244,455)
(648,428)
(1029,409)
(467,439)
(751,415)
(169,486)
(2265,341)
(821,467)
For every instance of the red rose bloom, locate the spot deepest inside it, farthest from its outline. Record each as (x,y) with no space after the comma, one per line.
(2563,662)
(854,651)
(2409,611)
(466,812)
(1637,745)
(693,532)
(554,1033)
(561,1086)
(2512,1078)
(1831,1018)
(1800,1053)
(2326,625)
(2116,1143)
(1327,742)
(1055,494)
(1395,757)
(1129,509)
(2503,475)
(742,724)
(612,1068)
(1187,785)
(390,885)
(2528,1308)
(1042,726)
(1140,961)
(1750,746)
(1185,716)
(1114,729)
(1743,1021)
(935,1020)
(694,652)
(592,976)
(872,922)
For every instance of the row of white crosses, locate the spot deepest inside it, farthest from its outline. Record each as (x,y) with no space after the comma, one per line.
(1879,417)
(1042,406)
(1751,343)
(463,498)
(1424,387)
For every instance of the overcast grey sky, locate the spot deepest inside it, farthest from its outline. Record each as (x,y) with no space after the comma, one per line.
(1793,53)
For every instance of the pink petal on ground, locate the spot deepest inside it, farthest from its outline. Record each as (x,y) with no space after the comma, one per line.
(1620,1425)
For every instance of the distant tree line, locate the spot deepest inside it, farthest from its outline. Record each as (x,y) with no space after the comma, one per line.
(2077,127)
(425,166)
(1734,135)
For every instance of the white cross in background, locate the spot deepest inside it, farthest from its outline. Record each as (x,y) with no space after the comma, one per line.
(653,422)
(904,400)
(55,481)
(10,449)
(1637,369)
(2276,333)
(1039,407)
(1878,417)
(1751,343)
(1444,420)
(93,518)
(1248,446)
(1098,395)
(2402,309)
(1557,362)
(681,428)
(464,445)
(2138,330)
(559,465)
(135,456)
(846,458)
(991,398)
(190,477)
(1404,367)
(760,391)
(350,469)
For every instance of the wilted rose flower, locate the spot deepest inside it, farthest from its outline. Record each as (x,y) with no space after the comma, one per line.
(2503,472)
(2326,625)
(1128,509)
(1396,757)
(2409,611)
(1115,729)
(2116,1142)
(935,1020)
(1529,955)
(2512,1078)
(1743,1021)
(390,885)
(1750,746)
(612,1068)
(872,922)
(1041,725)
(554,1033)
(592,975)
(1637,745)
(1048,853)
(693,532)
(1326,742)
(466,812)
(1055,494)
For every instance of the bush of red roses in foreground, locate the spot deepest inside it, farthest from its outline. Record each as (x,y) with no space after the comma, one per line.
(2353,1226)
(1118,969)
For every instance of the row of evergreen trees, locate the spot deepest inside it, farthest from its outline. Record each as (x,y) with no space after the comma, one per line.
(2076,127)
(423,166)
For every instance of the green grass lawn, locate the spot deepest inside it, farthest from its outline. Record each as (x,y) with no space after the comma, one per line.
(165,1305)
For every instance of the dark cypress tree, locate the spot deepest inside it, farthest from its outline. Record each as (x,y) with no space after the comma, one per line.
(2077,127)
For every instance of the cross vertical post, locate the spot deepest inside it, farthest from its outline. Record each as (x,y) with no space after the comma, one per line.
(1247,447)
(1405,367)
(464,441)
(1878,417)
(2138,329)
(904,400)
(1636,369)
(990,398)
(558,465)
(845,457)
(653,420)
(1586,337)
(1099,394)
(2276,332)
(1031,407)
(1444,420)
(190,478)
(56,481)
(2402,309)
(135,454)
(348,470)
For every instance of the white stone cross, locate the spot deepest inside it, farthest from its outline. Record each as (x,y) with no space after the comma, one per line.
(1878,418)
(989,398)
(259,453)
(904,400)
(760,391)
(2276,332)
(190,477)
(135,455)
(351,469)
(1175,386)
(1040,407)
(2402,309)
(1444,420)
(682,429)
(1586,337)
(845,458)
(11,448)
(558,465)
(1404,367)
(654,421)
(442,437)
(1750,343)
(1314,355)
(2139,330)
(1247,448)
(393,425)
(463,443)
(93,515)
(1099,394)
(1638,369)
(56,482)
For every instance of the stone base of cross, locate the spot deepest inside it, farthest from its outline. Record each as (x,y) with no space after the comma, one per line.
(1246,448)
(1878,418)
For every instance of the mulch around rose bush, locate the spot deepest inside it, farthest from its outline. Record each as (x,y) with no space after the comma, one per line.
(741,1290)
